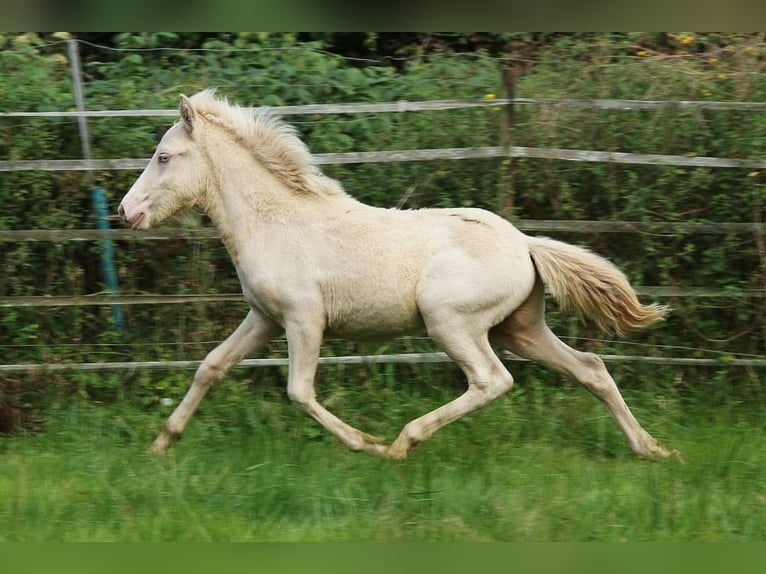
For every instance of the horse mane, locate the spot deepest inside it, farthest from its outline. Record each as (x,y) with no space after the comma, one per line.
(274,143)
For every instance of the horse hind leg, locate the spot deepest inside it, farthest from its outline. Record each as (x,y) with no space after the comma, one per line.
(487,379)
(526,334)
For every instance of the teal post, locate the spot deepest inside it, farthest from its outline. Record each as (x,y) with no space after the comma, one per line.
(107,253)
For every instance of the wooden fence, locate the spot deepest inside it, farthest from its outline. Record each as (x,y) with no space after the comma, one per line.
(386,156)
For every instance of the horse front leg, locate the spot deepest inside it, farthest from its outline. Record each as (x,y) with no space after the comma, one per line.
(304,340)
(254,331)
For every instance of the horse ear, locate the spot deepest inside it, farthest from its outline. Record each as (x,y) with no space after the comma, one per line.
(188,114)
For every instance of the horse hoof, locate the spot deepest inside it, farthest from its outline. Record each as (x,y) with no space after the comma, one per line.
(156,449)
(659,452)
(396,455)
(397,451)
(678,456)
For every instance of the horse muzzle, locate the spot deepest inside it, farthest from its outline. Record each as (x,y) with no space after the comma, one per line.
(134,216)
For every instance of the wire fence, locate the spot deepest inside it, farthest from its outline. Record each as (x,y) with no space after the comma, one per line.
(422,154)
(507,151)
(402,106)
(486,152)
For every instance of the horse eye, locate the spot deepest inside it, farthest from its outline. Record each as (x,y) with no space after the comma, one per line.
(163,158)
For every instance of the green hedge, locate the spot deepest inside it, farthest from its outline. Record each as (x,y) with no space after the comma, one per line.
(280,69)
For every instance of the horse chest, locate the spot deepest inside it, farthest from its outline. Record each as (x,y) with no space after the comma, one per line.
(272,293)
(263,299)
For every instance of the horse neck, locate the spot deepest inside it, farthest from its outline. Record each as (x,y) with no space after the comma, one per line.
(244,195)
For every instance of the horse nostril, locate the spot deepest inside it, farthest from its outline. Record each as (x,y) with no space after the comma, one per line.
(121,211)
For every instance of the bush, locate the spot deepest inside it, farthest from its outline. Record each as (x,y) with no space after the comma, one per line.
(283,69)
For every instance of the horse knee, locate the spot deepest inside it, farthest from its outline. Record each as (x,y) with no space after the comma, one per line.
(209,372)
(494,387)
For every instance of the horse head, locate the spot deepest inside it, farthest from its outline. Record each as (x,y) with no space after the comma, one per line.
(174,179)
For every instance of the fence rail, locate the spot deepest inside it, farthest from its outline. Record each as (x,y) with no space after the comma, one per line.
(403,358)
(486,152)
(402,106)
(422,154)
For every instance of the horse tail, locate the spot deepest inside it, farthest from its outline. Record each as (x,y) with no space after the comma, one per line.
(593,286)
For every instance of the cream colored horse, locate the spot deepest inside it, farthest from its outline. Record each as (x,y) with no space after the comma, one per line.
(313,261)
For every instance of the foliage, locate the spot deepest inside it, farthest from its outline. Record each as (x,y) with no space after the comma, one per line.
(149,70)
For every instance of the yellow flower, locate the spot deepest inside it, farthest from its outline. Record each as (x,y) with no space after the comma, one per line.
(642,53)
(721,76)
(686,40)
(707,93)
(713,60)
(491,96)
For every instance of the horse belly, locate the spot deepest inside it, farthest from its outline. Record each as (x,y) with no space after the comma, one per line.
(370,315)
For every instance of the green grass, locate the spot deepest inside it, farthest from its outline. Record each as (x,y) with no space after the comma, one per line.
(538,465)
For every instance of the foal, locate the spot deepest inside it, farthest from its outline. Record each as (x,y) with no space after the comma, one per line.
(313,261)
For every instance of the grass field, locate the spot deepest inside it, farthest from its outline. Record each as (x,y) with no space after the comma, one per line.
(538,465)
